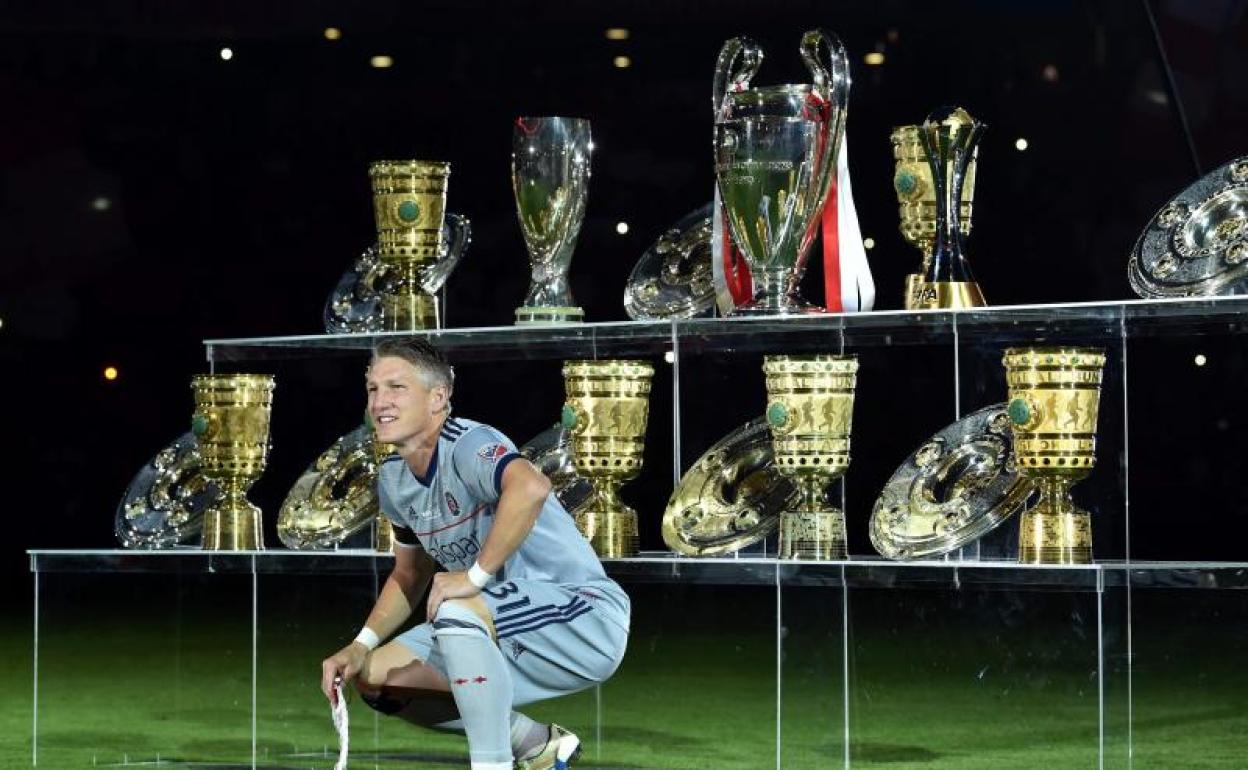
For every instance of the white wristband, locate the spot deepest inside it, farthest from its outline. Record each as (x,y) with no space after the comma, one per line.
(477,576)
(368,637)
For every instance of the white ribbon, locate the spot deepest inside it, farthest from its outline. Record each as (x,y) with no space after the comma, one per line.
(857,285)
(338,711)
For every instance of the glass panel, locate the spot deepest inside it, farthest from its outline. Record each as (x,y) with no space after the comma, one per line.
(144,666)
(813,667)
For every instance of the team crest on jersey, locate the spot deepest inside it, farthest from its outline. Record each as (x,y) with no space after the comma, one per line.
(452,504)
(492,452)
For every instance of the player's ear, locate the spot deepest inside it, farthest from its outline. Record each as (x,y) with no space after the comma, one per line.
(438,398)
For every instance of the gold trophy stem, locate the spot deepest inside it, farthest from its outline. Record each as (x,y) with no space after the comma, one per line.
(409,307)
(814,530)
(234,525)
(608,524)
(1055,531)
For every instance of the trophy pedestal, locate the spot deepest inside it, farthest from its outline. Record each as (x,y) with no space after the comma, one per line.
(409,312)
(233,528)
(612,534)
(946,294)
(1055,531)
(816,535)
(914,291)
(383,535)
(538,316)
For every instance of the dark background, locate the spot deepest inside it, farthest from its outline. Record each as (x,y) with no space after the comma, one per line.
(154,195)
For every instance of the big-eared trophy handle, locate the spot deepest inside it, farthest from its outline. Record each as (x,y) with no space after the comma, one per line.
(739,60)
(433,277)
(831,82)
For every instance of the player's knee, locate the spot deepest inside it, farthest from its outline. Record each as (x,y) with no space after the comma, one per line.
(457,618)
(381,701)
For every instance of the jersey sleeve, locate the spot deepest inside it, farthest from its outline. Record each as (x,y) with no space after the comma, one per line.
(403,535)
(479,459)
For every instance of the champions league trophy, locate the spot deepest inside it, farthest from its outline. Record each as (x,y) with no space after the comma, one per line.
(775,159)
(810,407)
(231,423)
(916,196)
(409,202)
(606,410)
(950,140)
(1054,397)
(550,178)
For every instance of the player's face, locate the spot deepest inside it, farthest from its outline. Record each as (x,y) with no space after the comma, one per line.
(401,406)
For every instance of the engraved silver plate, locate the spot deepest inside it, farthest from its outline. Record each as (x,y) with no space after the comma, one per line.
(551,452)
(673,278)
(335,497)
(164,504)
(955,488)
(1197,245)
(354,306)
(731,497)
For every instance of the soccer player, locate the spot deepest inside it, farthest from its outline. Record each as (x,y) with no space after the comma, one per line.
(523,611)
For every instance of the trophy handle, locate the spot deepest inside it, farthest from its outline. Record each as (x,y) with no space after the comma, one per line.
(434,276)
(739,60)
(831,82)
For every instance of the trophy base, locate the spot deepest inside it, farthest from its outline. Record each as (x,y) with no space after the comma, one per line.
(383,535)
(813,535)
(235,529)
(914,292)
(409,312)
(612,534)
(540,316)
(1054,537)
(789,306)
(949,295)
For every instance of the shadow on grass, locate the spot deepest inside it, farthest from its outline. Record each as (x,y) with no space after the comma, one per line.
(886,753)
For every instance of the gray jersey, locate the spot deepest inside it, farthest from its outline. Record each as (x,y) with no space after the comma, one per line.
(451,509)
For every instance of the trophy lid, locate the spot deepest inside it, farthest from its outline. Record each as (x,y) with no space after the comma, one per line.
(673,279)
(1197,244)
(958,486)
(731,498)
(335,497)
(164,505)
(551,452)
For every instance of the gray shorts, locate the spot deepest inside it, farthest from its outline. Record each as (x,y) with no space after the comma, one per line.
(557,639)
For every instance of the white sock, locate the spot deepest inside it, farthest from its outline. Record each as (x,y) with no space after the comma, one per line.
(480,684)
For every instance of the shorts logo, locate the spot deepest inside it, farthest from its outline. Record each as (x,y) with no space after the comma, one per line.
(492,452)
(452,504)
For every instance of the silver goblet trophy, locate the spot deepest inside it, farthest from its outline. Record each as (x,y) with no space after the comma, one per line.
(775,158)
(550,177)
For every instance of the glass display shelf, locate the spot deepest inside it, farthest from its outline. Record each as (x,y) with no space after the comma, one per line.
(1084,321)
(665,567)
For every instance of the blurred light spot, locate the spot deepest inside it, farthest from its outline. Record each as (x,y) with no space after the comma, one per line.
(1157,97)
(868,243)
(227,54)
(110,373)
(617,33)
(875,58)
(1201,360)
(622,62)
(893,35)
(669,356)
(621,228)
(1,323)
(101,204)
(1020,144)
(1049,73)
(333,33)
(591,145)
(381,62)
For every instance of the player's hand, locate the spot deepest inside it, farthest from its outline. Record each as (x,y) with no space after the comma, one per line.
(343,665)
(449,585)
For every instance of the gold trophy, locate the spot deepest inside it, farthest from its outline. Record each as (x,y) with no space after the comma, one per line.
(409,203)
(606,410)
(810,408)
(383,530)
(916,196)
(1054,397)
(231,423)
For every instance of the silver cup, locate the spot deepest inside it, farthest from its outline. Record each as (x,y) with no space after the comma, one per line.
(550,178)
(775,157)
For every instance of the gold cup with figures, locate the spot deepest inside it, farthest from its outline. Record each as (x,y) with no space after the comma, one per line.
(606,411)
(1055,395)
(231,424)
(383,530)
(409,205)
(810,408)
